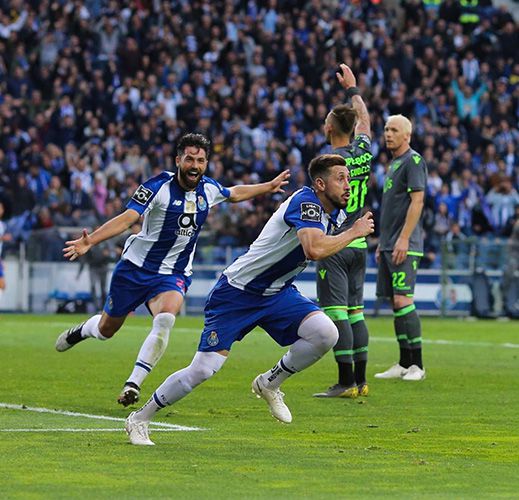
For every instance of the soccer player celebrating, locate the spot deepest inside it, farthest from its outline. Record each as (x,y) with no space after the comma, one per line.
(340,277)
(155,266)
(401,245)
(257,290)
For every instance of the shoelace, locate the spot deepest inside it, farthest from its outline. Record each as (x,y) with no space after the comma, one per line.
(278,396)
(142,431)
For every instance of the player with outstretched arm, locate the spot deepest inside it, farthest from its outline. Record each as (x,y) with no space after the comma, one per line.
(156,264)
(257,290)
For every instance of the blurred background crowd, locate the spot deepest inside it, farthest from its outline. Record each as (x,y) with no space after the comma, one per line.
(94,95)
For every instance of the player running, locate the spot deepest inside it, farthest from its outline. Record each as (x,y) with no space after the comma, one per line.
(257,290)
(340,277)
(155,266)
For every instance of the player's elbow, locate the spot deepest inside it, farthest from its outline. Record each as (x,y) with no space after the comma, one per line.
(235,198)
(313,253)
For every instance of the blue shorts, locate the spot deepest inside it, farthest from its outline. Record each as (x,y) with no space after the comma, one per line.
(230,314)
(1,269)
(132,286)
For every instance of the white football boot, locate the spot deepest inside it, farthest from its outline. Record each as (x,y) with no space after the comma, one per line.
(274,398)
(414,373)
(396,371)
(138,431)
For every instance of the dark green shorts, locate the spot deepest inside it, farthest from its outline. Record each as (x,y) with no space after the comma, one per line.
(396,280)
(340,279)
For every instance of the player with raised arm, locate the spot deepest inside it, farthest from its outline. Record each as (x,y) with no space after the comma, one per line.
(340,277)
(156,264)
(401,245)
(257,290)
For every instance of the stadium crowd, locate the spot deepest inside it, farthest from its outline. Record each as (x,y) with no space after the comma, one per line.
(94,95)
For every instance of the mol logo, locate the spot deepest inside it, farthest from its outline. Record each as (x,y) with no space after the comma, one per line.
(142,195)
(187,225)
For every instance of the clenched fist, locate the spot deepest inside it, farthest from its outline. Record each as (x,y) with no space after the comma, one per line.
(365,225)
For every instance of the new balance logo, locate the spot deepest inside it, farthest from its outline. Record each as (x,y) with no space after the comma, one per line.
(177,203)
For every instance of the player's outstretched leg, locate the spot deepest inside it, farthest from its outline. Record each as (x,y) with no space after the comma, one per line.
(174,388)
(149,355)
(317,335)
(69,338)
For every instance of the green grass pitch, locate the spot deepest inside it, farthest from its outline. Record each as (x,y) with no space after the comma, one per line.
(454,435)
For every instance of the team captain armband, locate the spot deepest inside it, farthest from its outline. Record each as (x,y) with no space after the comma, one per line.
(310,212)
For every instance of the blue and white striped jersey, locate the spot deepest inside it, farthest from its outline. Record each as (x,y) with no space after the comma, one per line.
(173,219)
(275,259)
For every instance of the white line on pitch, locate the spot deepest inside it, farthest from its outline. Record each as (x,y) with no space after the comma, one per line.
(174,427)
(462,343)
(120,429)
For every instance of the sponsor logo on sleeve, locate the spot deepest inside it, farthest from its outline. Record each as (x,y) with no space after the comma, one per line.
(311,212)
(142,195)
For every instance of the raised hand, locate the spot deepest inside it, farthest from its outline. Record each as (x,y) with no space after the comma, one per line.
(76,248)
(276,184)
(347,78)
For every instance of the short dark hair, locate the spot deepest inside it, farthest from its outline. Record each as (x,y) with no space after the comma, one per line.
(344,117)
(193,140)
(320,165)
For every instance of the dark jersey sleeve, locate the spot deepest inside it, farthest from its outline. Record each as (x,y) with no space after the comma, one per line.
(416,173)
(362,142)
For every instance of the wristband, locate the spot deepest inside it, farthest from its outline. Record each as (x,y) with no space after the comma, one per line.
(350,92)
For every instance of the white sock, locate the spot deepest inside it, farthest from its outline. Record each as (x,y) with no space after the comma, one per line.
(181,383)
(153,347)
(318,335)
(91,328)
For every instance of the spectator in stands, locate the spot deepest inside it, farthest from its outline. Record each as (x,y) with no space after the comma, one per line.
(502,200)
(92,80)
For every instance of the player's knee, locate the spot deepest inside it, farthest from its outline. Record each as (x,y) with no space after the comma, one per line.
(329,335)
(320,331)
(162,325)
(204,366)
(164,321)
(400,301)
